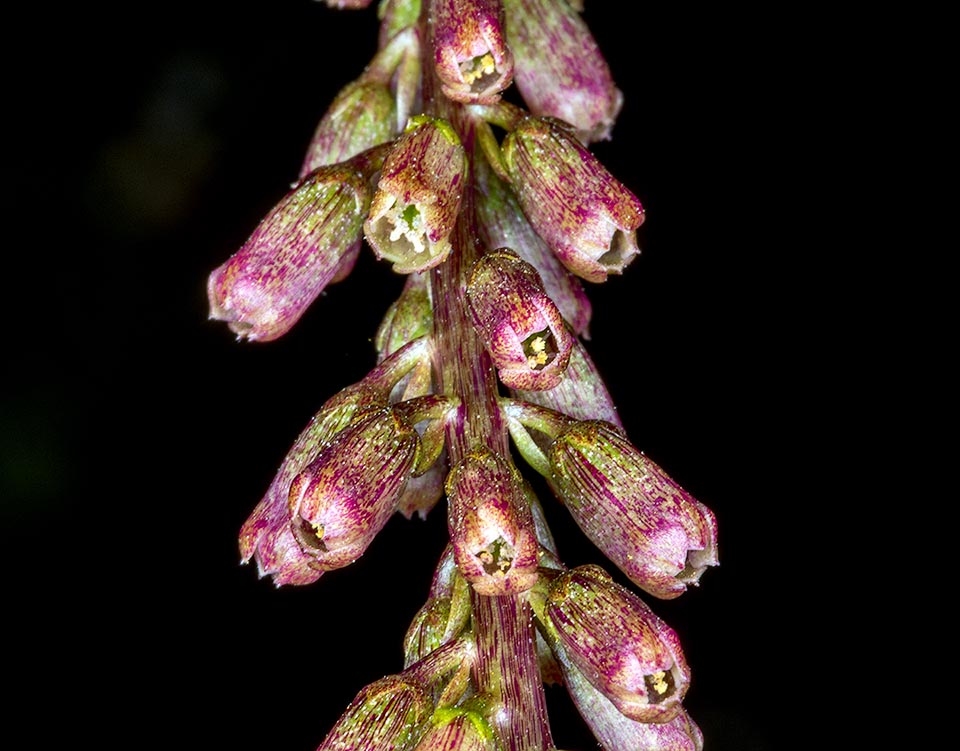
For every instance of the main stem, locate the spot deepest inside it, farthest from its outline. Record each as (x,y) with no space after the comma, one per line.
(507,670)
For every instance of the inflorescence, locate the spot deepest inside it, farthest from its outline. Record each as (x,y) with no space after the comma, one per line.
(494,212)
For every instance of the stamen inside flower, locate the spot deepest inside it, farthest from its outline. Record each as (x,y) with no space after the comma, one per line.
(497,557)
(660,685)
(310,534)
(476,69)
(408,225)
(540,349)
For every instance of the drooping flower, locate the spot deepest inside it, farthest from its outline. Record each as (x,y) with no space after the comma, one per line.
(361,116)
(559,69)
(491,525)
(344,497)
(614,730)
(618,643)
(470,53)
(503,225)
(520,325)
(418,197)
(659,535)
(292,255)
(586,216)
(267,535)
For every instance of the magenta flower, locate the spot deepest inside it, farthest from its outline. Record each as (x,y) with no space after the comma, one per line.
(418,197)
(344,497)
(587,217)
(472,59)
(559,69)
(619,645)
(520,325)
(491,526)
(292,255)
(658,534)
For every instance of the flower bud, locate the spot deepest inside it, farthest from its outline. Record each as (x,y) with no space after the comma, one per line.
(659,535)
(387,715)
(361,116)
(267,535)
(445,614)
(614,730)
(345,496)
(581,393)
(618,644)
(584,214)
(454,729)
(418,197)
(491,526)
(409,317)
(521,327)
(296,251)
(503,225)
(559,70)
(472,59)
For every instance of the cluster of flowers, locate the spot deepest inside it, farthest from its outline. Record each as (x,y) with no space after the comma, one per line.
(407,158)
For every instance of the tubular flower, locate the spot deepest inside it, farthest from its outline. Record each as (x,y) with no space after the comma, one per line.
(659,535)
(614,730)
(295,251)
(491,526)
(387,715)
(584,214)
(618,643)
(472,60)
(521,327)
(345,496)
(267,534)
(503,225)
(363,115)
(560,71)
(418,197)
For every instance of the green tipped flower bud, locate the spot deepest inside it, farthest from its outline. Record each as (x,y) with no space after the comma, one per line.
(659,535)
(387,715)
(267,535)
(520,325)
(618,644)
(491,525)
(472,59)
(418,197)
(345,496)
(581,394)
(361,116)
(614,730)
(559,70)
(409,317)
(445,614)
(294,253)
(584,214)
(454,729)
(503,225)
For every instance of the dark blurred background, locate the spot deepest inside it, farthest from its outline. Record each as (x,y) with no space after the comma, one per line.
(136,436)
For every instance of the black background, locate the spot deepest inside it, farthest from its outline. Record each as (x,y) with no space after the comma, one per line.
(137,436)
